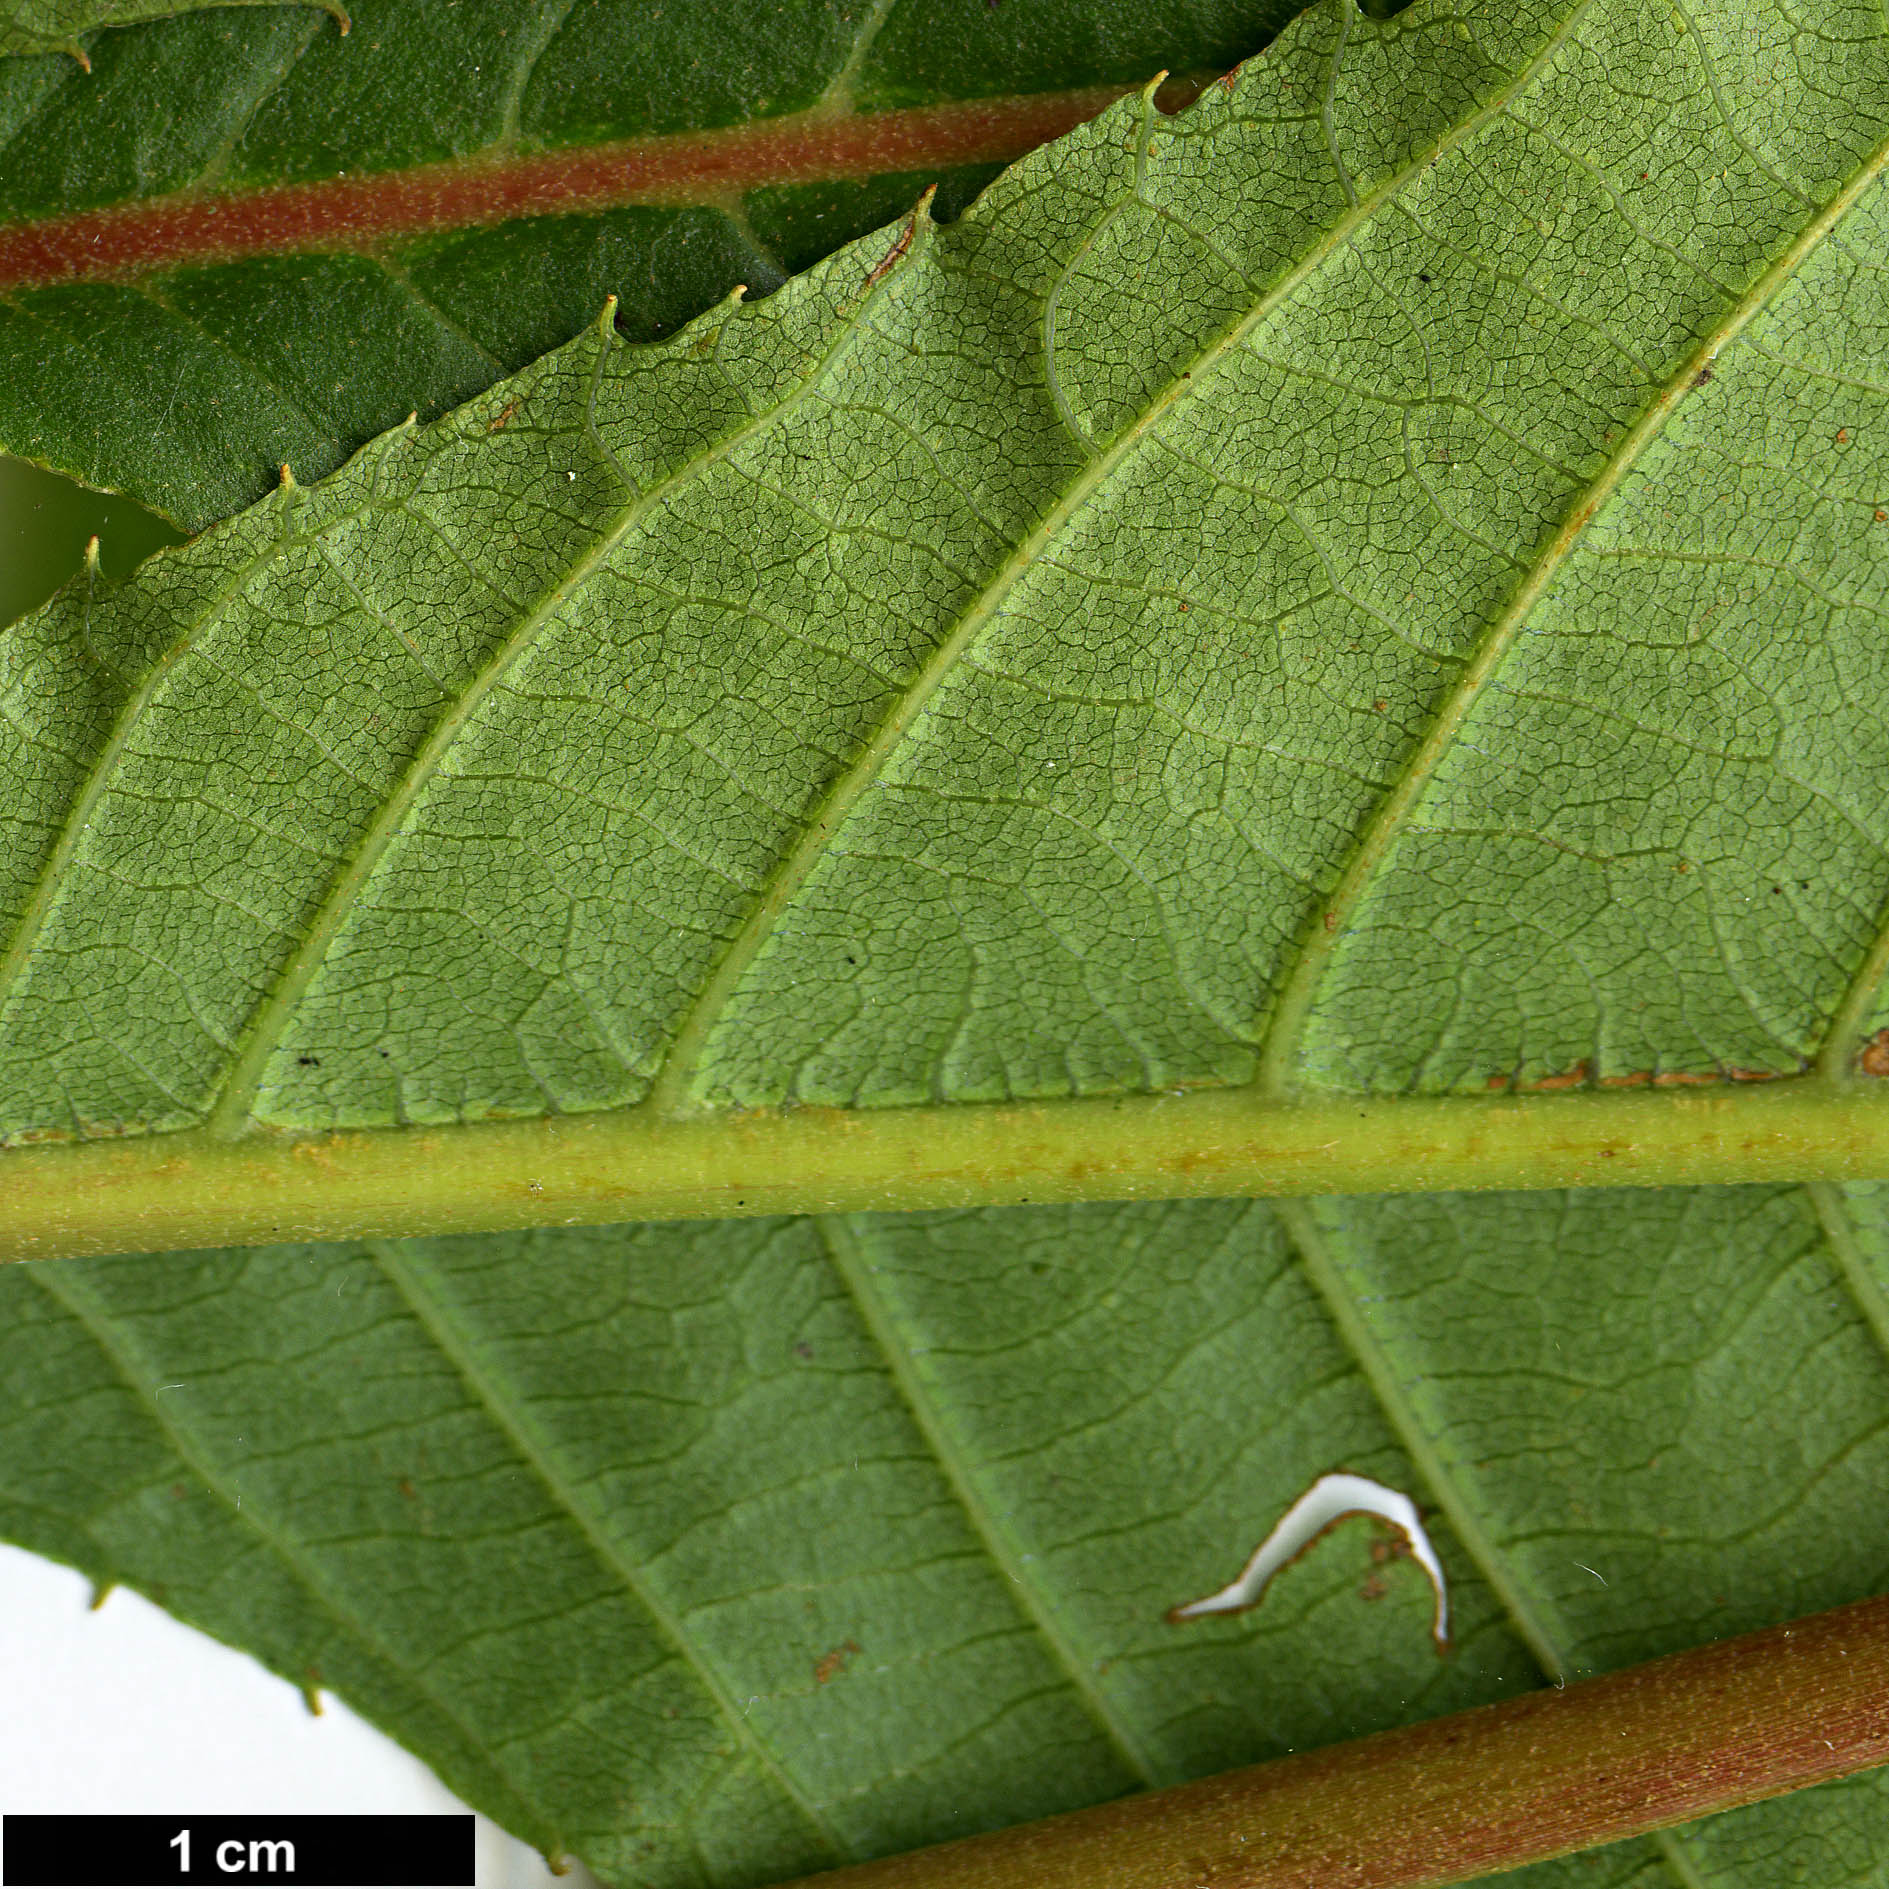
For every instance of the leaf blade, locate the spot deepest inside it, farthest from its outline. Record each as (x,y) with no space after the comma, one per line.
(857,877)
(318,235)
(1135,1390)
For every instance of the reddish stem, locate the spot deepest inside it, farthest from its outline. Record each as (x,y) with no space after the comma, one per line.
(1482,1791)
(691,167)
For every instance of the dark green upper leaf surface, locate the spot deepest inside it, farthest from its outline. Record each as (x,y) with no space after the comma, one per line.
(42,26)
(186,368)
(723,1552)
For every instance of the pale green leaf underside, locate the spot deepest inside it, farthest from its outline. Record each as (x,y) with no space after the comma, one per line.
(41,26)
(720,1552)
(1376,584)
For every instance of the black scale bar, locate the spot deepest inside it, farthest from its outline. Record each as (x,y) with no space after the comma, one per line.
(306,1852)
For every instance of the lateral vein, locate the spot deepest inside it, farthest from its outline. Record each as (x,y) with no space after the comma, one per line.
(59,1283)
(842,1249)
(478,1381)
(231,1114)
(670,1093)
(1326,925)
(1314,1249)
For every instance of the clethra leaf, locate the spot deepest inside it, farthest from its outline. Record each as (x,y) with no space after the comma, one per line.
(273,236)
(1326,645)
(1287,604)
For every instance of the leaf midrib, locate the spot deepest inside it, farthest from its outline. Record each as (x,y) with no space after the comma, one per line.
(364,212)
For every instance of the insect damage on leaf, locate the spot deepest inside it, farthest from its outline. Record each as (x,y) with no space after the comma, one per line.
(1332,1499)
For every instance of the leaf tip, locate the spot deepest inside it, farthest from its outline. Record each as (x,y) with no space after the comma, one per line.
(288,478)
(101,1590)
(91,555)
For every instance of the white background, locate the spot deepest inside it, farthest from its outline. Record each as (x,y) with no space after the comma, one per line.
(124,1710)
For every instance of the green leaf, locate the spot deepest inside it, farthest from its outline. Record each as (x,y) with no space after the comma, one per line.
(717,1553)
(1293,602)
(58,26)
(1360,593)
(273,241)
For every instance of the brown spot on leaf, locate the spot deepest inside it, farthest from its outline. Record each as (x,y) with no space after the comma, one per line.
(1692,1078)
(831,1665)
(1874,1060)
(503,418)
(892,256)
(1568,1079)
(1374,1588)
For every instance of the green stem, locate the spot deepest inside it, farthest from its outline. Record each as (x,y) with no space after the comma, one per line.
(1483,1791)
(162,1192)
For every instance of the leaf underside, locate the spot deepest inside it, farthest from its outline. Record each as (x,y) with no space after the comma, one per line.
(720,1552)
(1367,587)
(273,240)
(1293,595)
